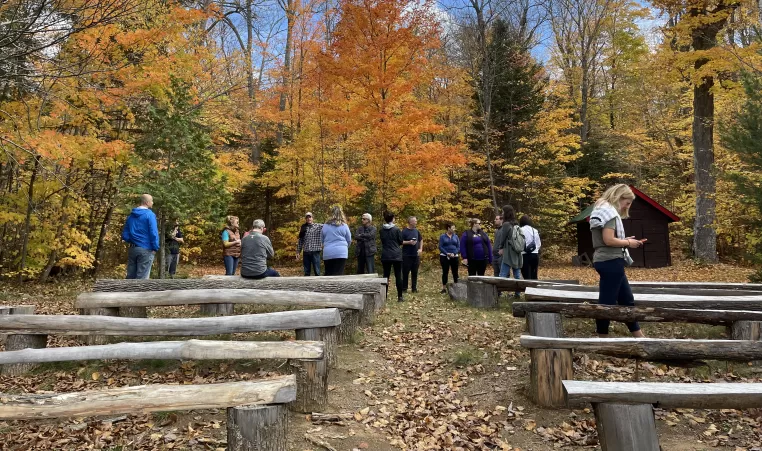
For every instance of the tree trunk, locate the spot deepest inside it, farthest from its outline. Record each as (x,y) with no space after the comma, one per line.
(288,8)
(28,218)
(704,235)
(53,258)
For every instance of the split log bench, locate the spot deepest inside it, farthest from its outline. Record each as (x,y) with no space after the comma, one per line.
(483,290)
(624,410)
(309,325)
(742,329)
(712,285)
(20,341)
(361,311)
(374,288)
(743,323)
(256,414)
(305,357)
(551,357)
(654,290)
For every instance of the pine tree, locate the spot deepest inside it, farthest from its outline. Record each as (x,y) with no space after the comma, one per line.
(744,137)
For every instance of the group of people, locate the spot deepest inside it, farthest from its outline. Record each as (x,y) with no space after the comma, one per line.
(400,248)
(515,249)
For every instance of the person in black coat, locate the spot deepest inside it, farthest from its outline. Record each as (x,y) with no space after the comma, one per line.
(391,251)
(366,245)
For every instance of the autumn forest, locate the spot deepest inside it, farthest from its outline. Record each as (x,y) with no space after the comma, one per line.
(270,108)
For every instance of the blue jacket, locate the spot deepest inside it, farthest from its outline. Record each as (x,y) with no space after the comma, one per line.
(141,230)
(336,241)
(449,245)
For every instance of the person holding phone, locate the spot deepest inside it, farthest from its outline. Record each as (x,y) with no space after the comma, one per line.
(412,248)
(611,254)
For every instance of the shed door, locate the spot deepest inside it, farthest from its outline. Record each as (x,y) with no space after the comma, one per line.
(656,250)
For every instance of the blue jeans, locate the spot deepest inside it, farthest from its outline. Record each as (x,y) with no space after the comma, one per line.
(172,262)
(311,261)
(506,269)
(269,272)
(614,289)
(231,263)
(139,262)
(366,265)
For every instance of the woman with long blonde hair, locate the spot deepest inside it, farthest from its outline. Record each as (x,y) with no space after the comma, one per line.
(611,255)
(336,241)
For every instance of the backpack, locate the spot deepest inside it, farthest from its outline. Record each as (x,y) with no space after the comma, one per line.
(517,240)
(530,247)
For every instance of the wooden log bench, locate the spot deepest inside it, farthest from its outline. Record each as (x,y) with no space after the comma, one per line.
(711,292)
(257,417)
(369,287)
(311,325)
(483,291)
(552,357)
(306,358)
(20,341)
(742,329)
(712,285)
(624,410)
(743,323)
(359,309)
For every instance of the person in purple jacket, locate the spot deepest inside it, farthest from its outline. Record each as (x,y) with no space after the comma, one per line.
(142,235)
(336,240)
(475,248)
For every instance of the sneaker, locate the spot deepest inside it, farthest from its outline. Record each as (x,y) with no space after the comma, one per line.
(415,290)
(443,291)
(399,299)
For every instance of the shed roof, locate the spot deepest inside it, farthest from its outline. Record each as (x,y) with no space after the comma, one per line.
(671,217)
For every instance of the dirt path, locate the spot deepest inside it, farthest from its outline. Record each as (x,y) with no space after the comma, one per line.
(430,374)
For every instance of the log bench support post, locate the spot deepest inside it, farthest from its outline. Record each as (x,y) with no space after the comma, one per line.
(350,321)
(104,311)
(262,428)
(746,330)
(482,295)
(327,335)
(549,367)
(369,306)
(18,342)
(626,427)
(133,312)
(216,309)
(380,297)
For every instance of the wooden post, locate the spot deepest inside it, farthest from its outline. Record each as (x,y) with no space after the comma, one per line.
(18,342)
(545,325)
(458,291)
(311,385)
(380,297)
(626,427)
(133,312)
(549,367)
(350,321)
(97,339)
(746,330)
(369,306)
(261,428)
(482,295)
(216,309)
(327,335)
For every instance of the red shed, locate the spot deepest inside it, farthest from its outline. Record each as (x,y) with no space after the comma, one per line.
(648,219)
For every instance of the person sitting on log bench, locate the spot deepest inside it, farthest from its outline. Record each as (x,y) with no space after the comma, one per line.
(256,248)
(611,255)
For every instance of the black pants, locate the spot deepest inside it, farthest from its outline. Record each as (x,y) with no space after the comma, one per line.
(614,289)
(477,267)
(366,265)
(397,265)
(497,261)
(531,263)
(410,265)
(335,266)
(449,264)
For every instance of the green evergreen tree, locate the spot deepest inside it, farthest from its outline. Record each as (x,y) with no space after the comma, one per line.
(178,165)
(744,137)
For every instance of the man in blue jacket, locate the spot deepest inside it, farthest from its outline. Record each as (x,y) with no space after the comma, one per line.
(142,235)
